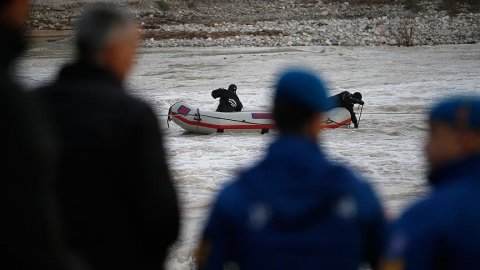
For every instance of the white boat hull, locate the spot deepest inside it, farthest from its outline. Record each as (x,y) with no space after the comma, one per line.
(194,120)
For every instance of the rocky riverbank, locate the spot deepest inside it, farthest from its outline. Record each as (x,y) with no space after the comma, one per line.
(282,23)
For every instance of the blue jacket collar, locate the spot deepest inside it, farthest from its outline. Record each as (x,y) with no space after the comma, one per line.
(454,170)
(289,144)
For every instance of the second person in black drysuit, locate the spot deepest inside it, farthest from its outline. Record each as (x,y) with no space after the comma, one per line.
(229,101)
(346,100)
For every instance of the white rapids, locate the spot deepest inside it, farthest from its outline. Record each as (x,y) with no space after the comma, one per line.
(398,85)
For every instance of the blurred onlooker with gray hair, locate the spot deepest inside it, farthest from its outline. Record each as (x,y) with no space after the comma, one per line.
(117,197)
(30,232)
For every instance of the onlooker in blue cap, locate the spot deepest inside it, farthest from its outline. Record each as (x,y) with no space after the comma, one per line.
(295,209)
(443,230)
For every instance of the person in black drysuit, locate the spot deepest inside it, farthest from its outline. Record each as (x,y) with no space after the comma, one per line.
(346,100)
(29,232)
(117,196)
(229,101)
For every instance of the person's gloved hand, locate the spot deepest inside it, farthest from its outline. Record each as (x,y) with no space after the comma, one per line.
(361,102)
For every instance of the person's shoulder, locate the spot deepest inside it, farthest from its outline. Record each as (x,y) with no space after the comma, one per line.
(343,95)
(7,81)
(353,179)
(435,216)
(138,107)
(449,198)
(428,212)
(135,101)
(12,95)
(415,228)
(420,209)
(234,190)
(219,90)
(232,197)
(9,86)
(356,185)
(45,87)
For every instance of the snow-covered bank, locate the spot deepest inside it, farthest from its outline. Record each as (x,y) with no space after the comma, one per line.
(399,85)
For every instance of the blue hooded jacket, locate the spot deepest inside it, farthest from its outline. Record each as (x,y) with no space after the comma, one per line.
(295,210)
(443,230)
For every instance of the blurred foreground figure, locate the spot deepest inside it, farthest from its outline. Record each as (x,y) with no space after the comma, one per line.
(119,204)
(29,231)
(443,230)
(295,209)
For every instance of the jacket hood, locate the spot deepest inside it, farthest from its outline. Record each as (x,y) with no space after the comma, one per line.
(12,44)
(295,182)
(455,170)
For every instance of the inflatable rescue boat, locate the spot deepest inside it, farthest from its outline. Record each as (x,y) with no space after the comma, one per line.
(194,120)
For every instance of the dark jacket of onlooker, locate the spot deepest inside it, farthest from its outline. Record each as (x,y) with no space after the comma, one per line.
(118,201)
(347,101)
(229,101)
(442,231)
(30,233)
(294,210)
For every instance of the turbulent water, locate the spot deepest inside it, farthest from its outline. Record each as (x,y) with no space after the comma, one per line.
(398,85)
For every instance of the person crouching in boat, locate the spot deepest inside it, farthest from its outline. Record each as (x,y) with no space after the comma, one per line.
(347,100)
(229,101)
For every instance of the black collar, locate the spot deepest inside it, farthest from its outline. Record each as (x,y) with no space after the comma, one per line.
(85,71)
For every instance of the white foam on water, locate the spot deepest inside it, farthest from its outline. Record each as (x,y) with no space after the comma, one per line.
(398,84)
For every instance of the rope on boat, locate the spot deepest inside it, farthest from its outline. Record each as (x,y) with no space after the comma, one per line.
(395,113)
(197,115)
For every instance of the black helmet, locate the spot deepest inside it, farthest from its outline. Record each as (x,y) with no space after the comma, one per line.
(232,88)
(357,95)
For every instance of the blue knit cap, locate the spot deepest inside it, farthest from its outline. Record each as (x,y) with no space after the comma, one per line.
(459,113)
(304,87)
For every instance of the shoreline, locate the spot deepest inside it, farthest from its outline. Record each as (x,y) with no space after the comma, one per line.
(278,24)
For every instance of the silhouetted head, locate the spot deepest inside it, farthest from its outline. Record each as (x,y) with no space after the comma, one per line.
(454,130)
(299,102)
(108,38)
(357,95)
(232,88)
(14,13)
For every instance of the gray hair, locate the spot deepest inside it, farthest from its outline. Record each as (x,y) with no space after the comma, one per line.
(96,27)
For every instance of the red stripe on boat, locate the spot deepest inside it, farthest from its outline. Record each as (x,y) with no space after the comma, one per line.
(202,124)
(245,126)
